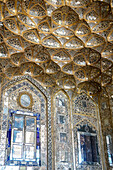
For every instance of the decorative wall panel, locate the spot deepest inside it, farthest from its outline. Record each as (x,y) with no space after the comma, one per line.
(61,45)
(62,132)
(85,125)
(39,104)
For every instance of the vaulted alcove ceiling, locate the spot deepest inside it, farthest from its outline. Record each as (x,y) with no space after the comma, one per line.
(61,43)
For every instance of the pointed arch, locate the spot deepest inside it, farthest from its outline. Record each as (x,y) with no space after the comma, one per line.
(85,121)
(84,105)
(62,131)
(33,87)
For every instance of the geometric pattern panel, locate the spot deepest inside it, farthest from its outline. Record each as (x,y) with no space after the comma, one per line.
(83,105)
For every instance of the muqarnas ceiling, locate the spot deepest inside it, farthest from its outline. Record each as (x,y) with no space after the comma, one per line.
(64,44)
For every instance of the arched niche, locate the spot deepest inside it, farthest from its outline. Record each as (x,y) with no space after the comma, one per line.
(41,105)
(87,145)
(86,121)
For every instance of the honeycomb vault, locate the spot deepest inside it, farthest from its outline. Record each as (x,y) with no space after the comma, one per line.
(62,44)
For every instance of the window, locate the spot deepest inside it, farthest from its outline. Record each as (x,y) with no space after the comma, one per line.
(87,145)
(23,138)
(109,149)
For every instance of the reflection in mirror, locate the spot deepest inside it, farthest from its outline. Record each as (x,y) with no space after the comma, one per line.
(29,152)
(18,123)
(30,137)
(30,123)
(25,100)
(17,151)
(109,149)
(87,145)
(17,136)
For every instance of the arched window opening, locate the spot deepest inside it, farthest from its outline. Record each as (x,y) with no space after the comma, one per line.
(87,145)
(86,129)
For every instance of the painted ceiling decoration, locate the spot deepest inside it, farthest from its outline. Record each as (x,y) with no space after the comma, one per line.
(65,44)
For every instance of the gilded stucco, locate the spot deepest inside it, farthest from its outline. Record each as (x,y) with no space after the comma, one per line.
(64,45)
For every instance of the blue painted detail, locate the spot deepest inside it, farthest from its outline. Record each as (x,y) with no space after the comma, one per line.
(38,129)
(37,147)
(8,158)
(38,134)
(9,135)
(39,162)
(38,116)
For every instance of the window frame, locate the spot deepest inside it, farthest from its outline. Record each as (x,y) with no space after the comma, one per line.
(37,147)
(82,132)
(23,143)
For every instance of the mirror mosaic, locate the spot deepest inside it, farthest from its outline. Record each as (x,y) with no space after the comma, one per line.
(56,84)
